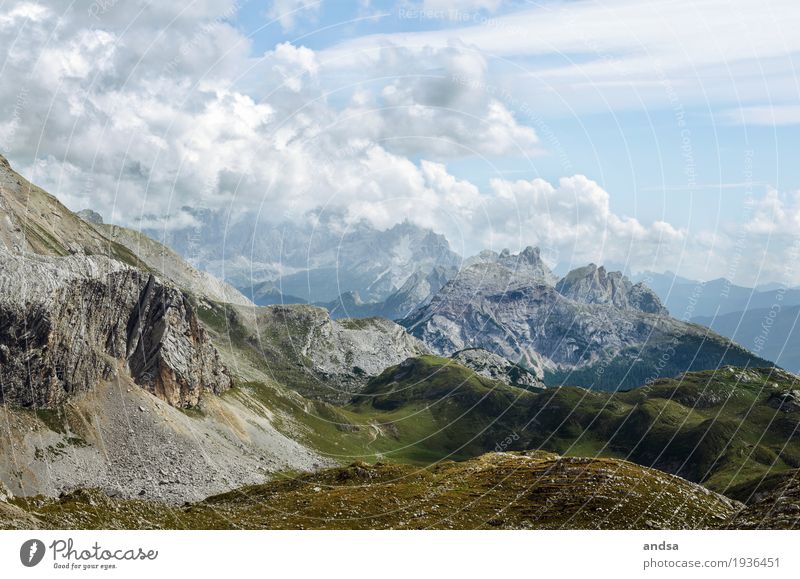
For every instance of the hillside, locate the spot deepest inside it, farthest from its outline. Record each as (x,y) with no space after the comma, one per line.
(719,428)
(773,502)
(494,491)
(169,265)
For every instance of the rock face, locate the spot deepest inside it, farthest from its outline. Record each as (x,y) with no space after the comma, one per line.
(591,328)
(773,502)
(785,401)
(496,367)
(339,356)
(68,323)
(526,265)
(5,494)
(593,285)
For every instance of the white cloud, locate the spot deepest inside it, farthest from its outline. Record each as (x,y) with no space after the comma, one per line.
(573,220)
(148,107)
(618,54)
(450,6)
(287,12)
(775,214)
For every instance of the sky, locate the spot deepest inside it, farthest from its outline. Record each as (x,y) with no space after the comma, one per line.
(647,135)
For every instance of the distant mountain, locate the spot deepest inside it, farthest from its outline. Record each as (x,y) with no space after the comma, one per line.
(594,285)
(773,333)
(315,261)
(689,299)
(266,294)
(591,328)
(417,291)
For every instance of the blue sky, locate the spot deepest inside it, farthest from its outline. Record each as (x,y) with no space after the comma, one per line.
(633,150)
(655,135)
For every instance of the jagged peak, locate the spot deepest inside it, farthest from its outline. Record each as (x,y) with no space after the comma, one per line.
(592,284)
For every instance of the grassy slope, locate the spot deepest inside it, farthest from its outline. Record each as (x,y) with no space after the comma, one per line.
(711,427)
(500,490)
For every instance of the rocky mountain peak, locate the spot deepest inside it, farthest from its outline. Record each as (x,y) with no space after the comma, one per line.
(78,308)
(591,284)
(526,266)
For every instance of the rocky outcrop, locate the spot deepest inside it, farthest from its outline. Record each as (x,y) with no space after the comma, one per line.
(337,357)
(594,285)
(68,323)
(498,368)
(785,401)
(418,290)
(91,216)
(772,502)
(32,220)
(5,494)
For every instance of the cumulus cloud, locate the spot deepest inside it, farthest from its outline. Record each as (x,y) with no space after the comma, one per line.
(574,220)
(142,108)
(775,214)
(437,103)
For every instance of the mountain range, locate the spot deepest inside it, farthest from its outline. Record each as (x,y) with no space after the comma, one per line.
(316,259)
(132,384)
(692,299)
(762,319)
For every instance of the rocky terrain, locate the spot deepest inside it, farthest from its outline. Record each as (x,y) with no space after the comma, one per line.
(591,328)
(496,491)
(32,220)
(417,290)
(773,502)
(496,367)
(131,383)
(303,348)
(109,378)
(129,444)
(594,285)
